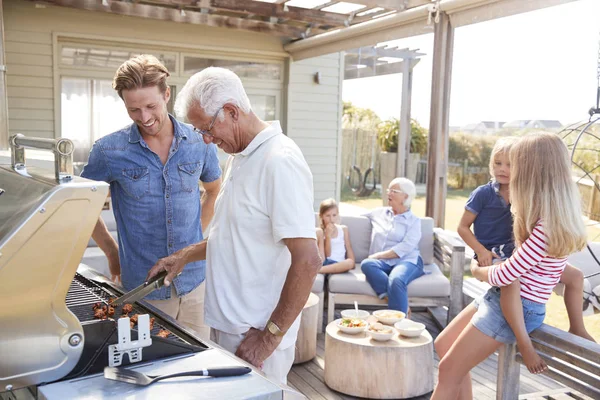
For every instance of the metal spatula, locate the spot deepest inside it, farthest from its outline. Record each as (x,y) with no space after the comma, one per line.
(138,378)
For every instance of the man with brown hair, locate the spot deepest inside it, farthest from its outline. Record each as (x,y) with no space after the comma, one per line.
(153,167)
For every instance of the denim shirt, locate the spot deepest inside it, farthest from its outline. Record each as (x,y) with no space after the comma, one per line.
(400,233)
(157,207)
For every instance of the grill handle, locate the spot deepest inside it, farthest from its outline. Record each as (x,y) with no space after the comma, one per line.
(61,147)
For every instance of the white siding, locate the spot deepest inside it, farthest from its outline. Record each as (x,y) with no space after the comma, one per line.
(29,52)
(314,119)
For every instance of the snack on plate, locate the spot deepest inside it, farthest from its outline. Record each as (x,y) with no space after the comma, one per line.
(391,314)
(379,327)
(352,323)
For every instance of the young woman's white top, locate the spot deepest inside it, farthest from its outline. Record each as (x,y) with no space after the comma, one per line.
(338,245)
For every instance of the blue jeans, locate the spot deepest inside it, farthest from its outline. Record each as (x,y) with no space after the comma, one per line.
(489,318)
(392,279)
(329,261)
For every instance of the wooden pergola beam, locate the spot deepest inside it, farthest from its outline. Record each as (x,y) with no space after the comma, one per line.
(437,150)
(190,17)
(263,9)
(390,4)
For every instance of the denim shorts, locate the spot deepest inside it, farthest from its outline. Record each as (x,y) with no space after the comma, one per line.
(490,320)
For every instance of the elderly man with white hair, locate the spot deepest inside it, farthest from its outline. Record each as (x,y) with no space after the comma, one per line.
(261,251)
(394,259)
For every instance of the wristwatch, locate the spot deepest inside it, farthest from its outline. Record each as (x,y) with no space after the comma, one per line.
(274,329)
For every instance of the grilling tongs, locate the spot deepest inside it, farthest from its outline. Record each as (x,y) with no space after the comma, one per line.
(143,290)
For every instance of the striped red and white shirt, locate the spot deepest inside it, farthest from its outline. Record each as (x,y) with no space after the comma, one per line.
(537,272)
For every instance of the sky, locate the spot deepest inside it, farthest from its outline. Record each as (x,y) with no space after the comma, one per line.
(537,65)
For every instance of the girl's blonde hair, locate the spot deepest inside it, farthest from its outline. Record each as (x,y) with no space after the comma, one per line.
(542,189)
(502,146)
(325,206)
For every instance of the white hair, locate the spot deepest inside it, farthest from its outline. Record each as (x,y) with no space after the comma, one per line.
(407,187)
(210,89)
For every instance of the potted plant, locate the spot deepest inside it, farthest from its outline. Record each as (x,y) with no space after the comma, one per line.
(387,137)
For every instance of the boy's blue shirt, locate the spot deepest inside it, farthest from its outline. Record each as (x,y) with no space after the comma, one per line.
(493,225)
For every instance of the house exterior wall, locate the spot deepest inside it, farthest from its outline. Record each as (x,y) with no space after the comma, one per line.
(314,119)
(310,112)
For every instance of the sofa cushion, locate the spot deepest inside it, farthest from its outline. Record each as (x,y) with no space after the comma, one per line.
(432,284)
(360,237)
(319,284)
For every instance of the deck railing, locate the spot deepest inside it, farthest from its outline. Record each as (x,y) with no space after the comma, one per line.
(572,360)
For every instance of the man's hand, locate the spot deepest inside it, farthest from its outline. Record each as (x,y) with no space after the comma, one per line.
(257,346)
(330,229)
(114,266)
(485,258)
(375,256)
(173,264)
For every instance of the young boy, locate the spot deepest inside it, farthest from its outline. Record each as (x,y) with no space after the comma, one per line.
(488,210)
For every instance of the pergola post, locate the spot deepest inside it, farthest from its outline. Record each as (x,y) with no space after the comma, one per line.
(404,129)
(437,155)
(3,94)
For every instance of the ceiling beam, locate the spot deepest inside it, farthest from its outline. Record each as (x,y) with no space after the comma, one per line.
(391,4)
(190,17)
(377,70)
(277,10)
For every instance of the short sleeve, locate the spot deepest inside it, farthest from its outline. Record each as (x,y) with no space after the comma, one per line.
(477,200)
(97,168)
(211,169)
(289,196)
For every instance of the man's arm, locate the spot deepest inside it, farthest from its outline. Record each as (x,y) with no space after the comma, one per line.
(175,263)
(257,346)
(109,246)
(211,190)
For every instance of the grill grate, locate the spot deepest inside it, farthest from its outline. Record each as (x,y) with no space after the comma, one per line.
(83,294)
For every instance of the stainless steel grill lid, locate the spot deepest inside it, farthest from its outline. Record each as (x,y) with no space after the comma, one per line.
(46,221)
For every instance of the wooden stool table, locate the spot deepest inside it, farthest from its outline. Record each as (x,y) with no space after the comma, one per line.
(306,343)
(360,366)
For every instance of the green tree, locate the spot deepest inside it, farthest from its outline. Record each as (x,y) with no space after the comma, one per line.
(387,136)
(359,118)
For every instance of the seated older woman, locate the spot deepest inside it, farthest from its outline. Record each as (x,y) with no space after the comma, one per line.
(394,259)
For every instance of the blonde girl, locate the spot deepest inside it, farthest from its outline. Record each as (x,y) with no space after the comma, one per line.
(333,240)
(547,228)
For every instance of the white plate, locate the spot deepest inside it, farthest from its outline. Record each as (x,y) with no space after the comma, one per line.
(409,328)
(351,331)
(388,320)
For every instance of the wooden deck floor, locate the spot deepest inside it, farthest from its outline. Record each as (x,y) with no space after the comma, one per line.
(308,377)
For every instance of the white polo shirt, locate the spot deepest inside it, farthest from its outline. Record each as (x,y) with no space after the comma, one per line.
(266,196)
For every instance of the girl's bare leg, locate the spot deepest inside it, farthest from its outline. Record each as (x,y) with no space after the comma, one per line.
(573,297)
(448,337)
(470,349)
(512,308)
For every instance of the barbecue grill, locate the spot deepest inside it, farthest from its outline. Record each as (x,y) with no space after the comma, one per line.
(51,345)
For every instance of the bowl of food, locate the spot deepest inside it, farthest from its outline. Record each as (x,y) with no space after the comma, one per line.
(389,317)
(409,328)
(351,325)
(362,314)
(380,332)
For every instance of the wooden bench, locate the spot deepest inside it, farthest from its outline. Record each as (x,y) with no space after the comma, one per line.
(572,361)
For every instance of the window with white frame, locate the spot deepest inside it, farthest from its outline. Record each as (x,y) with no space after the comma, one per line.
(91,109)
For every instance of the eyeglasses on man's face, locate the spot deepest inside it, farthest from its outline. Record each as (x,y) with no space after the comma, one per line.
(393,191)
(212,123)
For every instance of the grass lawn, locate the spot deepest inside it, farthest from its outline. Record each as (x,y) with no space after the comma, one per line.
(556,313)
